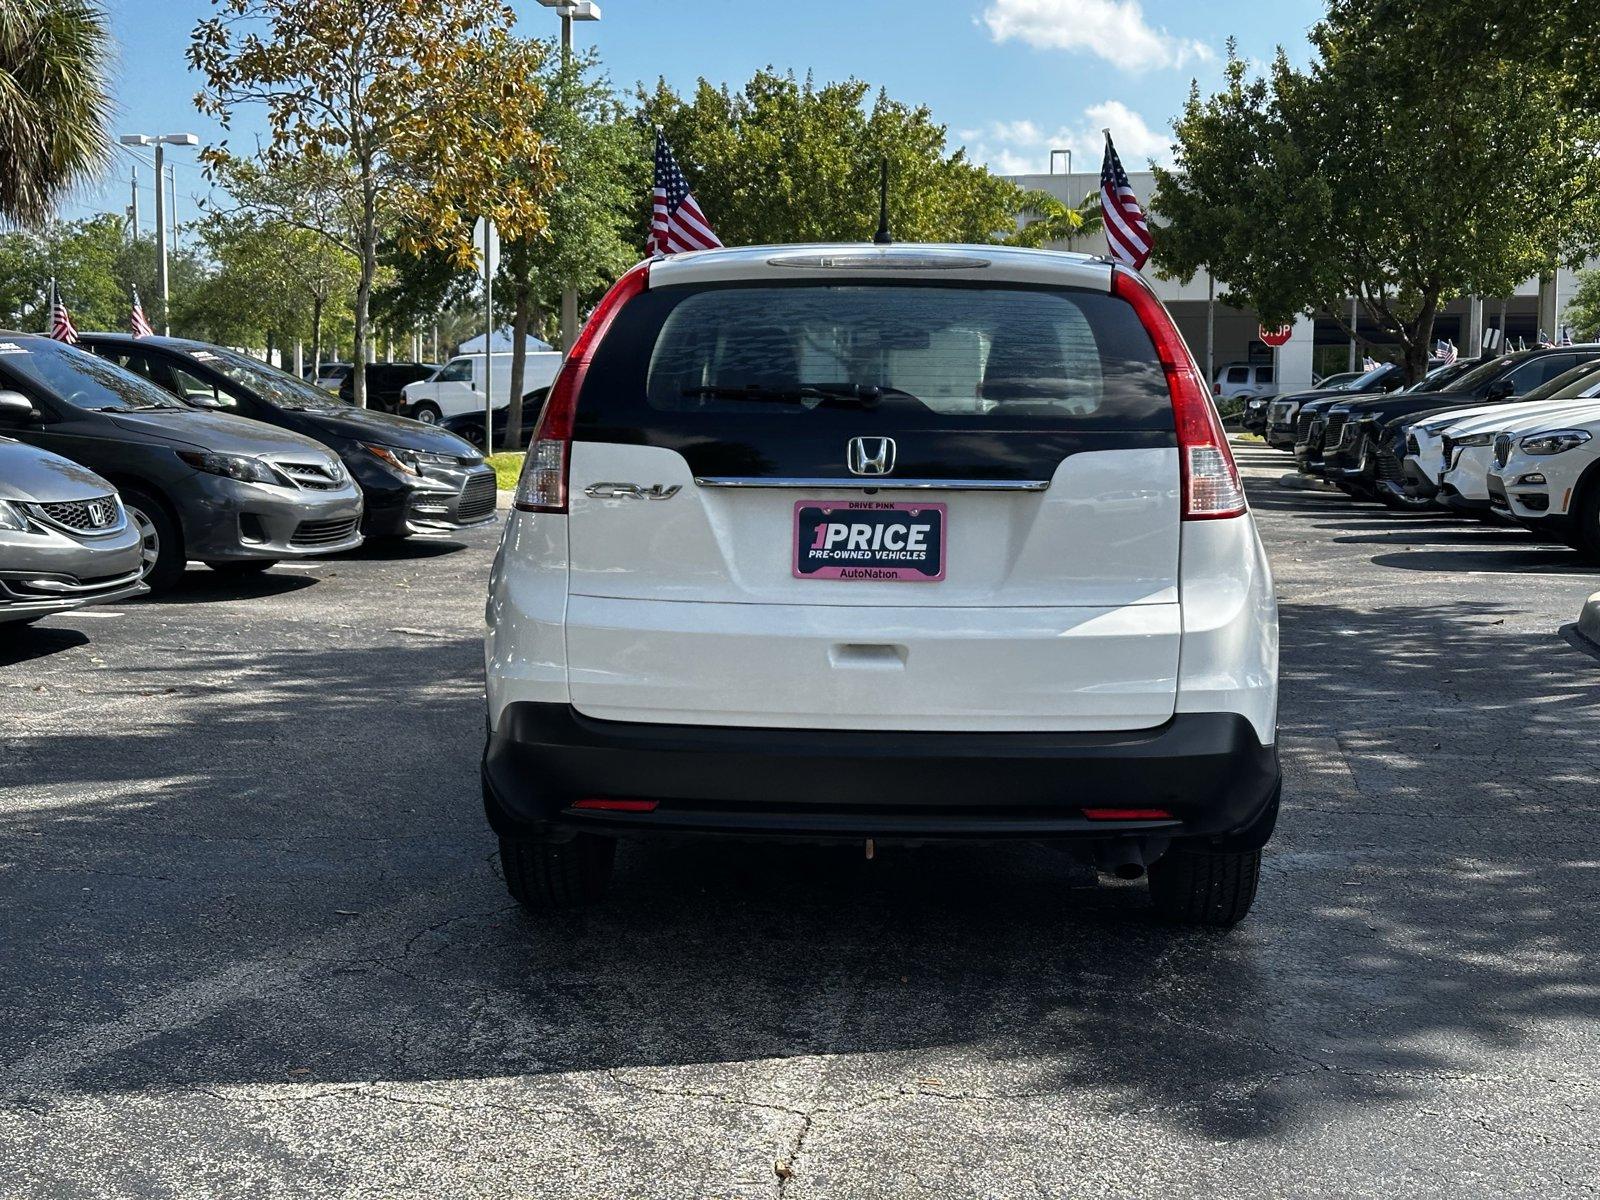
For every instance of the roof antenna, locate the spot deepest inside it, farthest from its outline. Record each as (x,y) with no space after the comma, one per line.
(882,238)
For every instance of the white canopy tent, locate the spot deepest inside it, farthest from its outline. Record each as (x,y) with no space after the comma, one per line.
(502,343)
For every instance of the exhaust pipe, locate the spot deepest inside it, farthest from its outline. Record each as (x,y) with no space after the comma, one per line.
(1127,858)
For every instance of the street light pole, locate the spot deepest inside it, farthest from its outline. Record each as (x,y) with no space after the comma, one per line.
(160,143)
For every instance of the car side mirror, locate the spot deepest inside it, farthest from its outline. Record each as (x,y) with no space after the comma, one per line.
(1499,390)
(15,408)
(201,400)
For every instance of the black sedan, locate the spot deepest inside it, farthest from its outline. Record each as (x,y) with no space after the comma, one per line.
(416,479)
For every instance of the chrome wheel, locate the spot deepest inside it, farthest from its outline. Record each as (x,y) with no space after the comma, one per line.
(427,416)
(149,542)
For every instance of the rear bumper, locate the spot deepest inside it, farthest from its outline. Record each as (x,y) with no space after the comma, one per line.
(1208,770)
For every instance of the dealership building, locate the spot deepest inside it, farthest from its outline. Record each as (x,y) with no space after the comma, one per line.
(1317,345)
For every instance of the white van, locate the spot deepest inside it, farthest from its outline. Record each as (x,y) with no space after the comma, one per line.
(876,544)
(456,388)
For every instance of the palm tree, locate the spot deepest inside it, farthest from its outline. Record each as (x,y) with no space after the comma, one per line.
(1051,219)
(54,103)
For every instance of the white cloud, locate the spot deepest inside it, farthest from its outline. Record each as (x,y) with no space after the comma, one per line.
(1113,29)
(1023,147)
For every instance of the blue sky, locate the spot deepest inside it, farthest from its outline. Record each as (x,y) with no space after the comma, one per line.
(1010,78)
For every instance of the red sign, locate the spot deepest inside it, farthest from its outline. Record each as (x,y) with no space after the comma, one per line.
(1274,337)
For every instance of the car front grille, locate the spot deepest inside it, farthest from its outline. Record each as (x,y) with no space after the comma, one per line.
(1333,430)
(315,476)
(477,497)
(1389,468)
(1502,449)
(324,533)
(1302,426)
(101,514)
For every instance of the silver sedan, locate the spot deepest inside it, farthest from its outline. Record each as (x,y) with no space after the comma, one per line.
(65,539)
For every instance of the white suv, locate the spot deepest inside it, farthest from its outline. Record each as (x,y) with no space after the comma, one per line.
(883,544)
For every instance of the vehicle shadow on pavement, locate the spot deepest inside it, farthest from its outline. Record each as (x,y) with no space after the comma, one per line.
(400,549)
(24,643)
(283,878)
(201,585)
(1522,559)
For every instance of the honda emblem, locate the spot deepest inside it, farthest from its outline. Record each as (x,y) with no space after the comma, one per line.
(870,456)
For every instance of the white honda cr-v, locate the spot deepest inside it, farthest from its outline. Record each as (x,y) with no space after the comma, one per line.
(883,544)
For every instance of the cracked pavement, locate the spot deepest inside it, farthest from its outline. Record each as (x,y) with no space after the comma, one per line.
(255,944)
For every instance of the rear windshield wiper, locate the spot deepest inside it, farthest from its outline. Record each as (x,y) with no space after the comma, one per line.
(864,395)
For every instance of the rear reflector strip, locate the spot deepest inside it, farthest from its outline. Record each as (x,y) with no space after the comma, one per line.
(1127,814)
(617,805)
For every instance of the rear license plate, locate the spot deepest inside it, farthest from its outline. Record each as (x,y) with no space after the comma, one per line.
(869,540)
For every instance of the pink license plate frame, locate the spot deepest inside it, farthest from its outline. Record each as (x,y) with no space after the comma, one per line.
(877,563)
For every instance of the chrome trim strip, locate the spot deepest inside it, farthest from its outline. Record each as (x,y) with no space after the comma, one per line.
(873,484)
(61,586)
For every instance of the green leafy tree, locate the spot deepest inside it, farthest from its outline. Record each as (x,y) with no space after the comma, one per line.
(1583,310)
(397,117)
(602,164)
(54,104)
(1405,166)
(1050,219)
(95,267)
(785,160)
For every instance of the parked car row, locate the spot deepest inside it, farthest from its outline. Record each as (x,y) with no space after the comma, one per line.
(1513,437)
(192,452)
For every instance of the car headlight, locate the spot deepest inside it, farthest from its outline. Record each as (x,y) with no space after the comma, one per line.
(1474,439)
(1557,441)
(242,467)
(12,517)
(404,461)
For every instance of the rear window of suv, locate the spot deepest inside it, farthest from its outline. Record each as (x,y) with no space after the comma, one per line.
(896,357)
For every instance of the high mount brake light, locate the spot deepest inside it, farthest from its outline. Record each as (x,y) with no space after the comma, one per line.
(1211,485)
(542,486)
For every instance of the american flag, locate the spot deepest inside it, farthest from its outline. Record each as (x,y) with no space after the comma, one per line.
(61,326)
(136,322)
(1566,336)
(1544,340)
(676,222)
(1127,233)
(1445,352)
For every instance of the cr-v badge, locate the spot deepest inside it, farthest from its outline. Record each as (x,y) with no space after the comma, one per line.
(631,491)
(870,456)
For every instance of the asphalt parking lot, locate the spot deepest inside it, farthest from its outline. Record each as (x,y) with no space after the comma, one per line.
(254,942)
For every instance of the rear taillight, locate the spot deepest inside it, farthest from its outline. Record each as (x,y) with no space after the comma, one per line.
(542,486)
(1211,485)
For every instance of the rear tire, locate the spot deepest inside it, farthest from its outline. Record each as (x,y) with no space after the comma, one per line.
(547,876)
(1211,888)
(427,412)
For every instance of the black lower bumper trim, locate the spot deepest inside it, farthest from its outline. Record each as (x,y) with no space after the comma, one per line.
(1208,770)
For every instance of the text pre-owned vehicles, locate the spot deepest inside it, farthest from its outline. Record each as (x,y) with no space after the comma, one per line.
(1545,475)
(1284,427)
(1410,458)
(235,494)
(457,388)
(883,543)
(414,479)
(65,540)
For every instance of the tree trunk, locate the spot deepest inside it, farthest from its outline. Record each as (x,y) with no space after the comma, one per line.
(269,347)
(521,314)
(358,378)
(1419,342)
(316,336)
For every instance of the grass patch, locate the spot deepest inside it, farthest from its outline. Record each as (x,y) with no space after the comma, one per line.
(507,467)
(1248,437)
